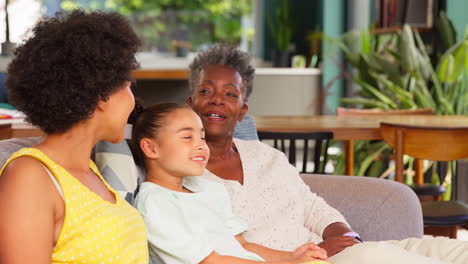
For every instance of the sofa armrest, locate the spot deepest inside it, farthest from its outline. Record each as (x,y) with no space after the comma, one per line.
(375,208)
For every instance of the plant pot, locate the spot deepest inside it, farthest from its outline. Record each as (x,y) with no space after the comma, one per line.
(181,52)
(280,59)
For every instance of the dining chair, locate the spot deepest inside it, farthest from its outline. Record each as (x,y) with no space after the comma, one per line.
(285,140)
(345,112)
(5,131)
(437,144)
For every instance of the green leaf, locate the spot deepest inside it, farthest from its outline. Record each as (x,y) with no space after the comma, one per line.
(445,107)
(446,30)
(365,42)
(406,98)
(369,103)
(366,162)
(421,100)
(445,68)
(389,68)
(378,95)
(363,71)
(408,49)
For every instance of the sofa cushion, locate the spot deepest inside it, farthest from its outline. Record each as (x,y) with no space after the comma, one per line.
(246,129)
(116,164)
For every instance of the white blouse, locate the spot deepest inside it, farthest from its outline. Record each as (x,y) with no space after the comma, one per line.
(278,207)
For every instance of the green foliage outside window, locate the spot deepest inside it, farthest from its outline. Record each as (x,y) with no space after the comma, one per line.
(160,22)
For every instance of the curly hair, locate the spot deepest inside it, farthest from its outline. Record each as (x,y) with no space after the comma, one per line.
(69,64)
(228,55)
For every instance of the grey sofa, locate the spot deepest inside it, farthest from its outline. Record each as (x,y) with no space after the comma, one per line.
(377,209)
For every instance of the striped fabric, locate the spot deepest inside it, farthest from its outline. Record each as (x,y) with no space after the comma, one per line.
(246,129)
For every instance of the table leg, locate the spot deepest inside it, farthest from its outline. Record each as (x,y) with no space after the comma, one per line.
(399,167)
(419,171)
(349,156)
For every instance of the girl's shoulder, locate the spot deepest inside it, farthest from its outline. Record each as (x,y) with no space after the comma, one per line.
(196,184)
(200,184)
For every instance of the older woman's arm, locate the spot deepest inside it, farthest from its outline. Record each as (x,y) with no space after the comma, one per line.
(333,240)
(324,220)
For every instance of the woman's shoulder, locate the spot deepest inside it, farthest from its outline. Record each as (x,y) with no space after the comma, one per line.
(257,150)
(252,145)
(24,161)
(25,179)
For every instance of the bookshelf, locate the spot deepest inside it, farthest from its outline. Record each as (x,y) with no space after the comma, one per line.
(394,29)
(391,15)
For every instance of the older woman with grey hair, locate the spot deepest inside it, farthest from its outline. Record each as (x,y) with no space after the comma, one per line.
(266,191)
(221,79)
(245,128)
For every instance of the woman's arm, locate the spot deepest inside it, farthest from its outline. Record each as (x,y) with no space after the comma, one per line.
(324,220)
(335,229)
(27,209)
(333,240)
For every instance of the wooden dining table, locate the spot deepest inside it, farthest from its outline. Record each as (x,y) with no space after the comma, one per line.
(18,128)
(350,128)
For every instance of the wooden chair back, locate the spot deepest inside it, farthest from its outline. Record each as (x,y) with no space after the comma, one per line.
(428,143)
(342,111)
(321,142)
(349,147)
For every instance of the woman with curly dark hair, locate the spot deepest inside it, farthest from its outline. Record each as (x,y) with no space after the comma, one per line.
(72,79)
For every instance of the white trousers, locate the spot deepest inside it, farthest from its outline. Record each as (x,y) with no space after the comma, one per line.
(428,250)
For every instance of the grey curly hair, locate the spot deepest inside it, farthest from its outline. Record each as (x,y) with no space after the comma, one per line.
(228,55)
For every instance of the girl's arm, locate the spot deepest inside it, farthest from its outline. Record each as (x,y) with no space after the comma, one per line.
(267,253)
(27,209)
(303,253)
(215,258)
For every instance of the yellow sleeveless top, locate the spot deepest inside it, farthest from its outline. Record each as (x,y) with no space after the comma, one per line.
(94,230)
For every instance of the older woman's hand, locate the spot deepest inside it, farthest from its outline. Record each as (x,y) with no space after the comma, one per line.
(335,245)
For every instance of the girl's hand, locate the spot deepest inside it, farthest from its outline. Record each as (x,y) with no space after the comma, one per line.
(309,252)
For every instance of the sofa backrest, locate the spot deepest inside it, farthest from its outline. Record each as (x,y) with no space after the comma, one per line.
(10,146)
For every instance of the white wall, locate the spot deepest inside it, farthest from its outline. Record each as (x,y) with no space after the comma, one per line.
(285,91)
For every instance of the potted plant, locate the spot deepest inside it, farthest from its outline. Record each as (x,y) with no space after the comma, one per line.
(281,28)
(397,72)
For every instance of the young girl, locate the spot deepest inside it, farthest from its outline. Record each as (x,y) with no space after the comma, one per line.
(189,219)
